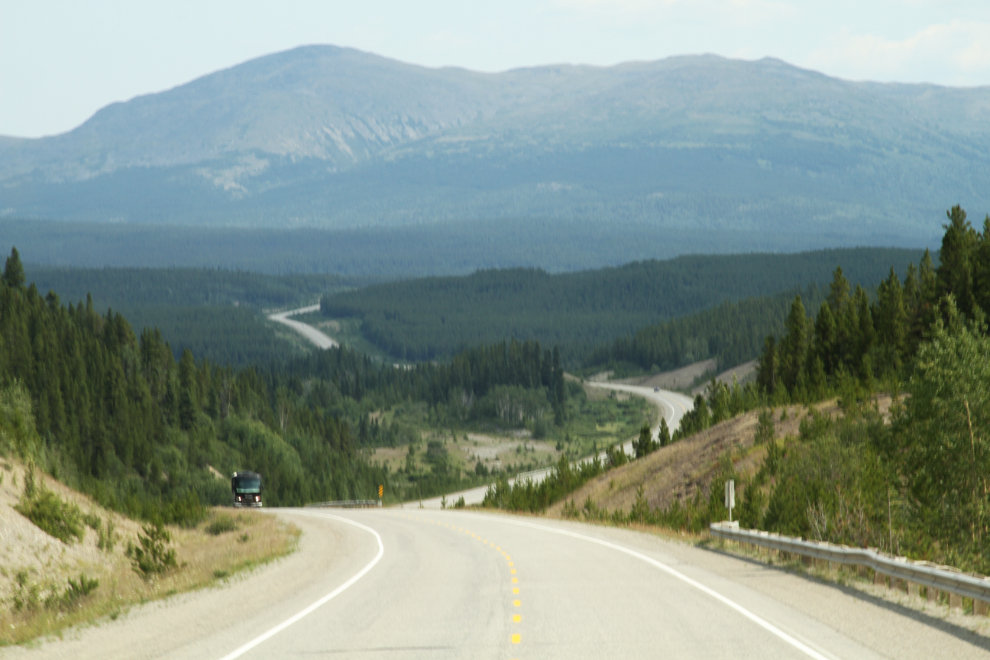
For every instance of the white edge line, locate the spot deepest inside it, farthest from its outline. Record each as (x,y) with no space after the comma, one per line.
(336,592)
(763,623)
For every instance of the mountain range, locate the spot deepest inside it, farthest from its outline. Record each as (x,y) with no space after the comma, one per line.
(333,138)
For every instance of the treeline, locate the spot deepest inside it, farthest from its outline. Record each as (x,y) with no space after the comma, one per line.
(129,288)
(436,317)
(731,333)
(852,336)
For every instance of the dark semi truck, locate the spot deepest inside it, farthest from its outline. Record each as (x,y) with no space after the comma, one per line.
(246,488)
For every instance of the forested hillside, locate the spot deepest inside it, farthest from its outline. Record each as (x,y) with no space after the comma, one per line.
(909,480)
(435,317)
(117,416)
(731,333)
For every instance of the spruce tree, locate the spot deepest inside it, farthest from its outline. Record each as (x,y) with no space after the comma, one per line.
(663,436)
(13,272)
(955,270)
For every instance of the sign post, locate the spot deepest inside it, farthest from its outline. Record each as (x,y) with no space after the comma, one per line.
(730,496)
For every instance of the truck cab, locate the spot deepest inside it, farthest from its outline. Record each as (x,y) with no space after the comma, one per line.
(246,488)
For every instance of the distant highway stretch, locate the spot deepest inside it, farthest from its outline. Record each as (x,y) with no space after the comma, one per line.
(387,583)
(319,339)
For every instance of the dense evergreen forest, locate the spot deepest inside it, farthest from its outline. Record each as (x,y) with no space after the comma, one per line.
(434,318)
(129,288)
(732,333)
(116,415)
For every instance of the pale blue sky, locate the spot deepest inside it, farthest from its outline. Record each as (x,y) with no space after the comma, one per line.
(62,61)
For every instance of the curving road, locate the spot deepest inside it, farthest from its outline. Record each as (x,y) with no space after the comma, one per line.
(445,584)
(311,334)
(671,405)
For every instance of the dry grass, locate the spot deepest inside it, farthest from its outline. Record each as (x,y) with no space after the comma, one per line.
(45,564)
(678,471)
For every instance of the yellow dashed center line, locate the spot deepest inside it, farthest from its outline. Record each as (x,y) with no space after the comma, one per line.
(516,638)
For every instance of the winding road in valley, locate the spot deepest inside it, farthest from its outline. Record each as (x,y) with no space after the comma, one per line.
(311,334)
(388,583)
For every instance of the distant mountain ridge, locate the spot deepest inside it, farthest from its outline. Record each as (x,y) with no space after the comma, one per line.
(332,137)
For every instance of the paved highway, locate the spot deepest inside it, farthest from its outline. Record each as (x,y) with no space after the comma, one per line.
(453,584)
(309,332)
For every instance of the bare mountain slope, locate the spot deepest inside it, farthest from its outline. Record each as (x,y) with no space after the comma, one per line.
(332,137)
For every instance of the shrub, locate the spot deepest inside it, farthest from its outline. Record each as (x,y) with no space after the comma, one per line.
(92,521)
(107,535)
(49,512)
(74,592)
(153,556)
(222,523)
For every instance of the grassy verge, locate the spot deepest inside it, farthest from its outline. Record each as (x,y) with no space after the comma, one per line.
(223,545)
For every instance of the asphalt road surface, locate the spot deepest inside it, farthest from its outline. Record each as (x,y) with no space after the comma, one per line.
(454,584)
(319,339)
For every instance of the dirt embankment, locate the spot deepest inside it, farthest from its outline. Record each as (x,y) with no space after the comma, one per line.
(685,378)
(35,568)
(678,471)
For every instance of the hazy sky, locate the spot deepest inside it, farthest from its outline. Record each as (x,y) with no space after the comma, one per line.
(62,61)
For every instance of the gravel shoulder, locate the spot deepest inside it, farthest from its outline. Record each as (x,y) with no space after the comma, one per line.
(213,622)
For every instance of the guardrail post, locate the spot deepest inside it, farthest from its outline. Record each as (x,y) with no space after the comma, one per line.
(879,578)
(955,602)
(980,607)
(932,594)
(912,588)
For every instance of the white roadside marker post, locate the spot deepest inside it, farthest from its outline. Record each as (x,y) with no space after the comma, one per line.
(730,496)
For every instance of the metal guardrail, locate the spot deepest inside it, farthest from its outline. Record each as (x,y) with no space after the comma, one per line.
(346,504)
(943,578)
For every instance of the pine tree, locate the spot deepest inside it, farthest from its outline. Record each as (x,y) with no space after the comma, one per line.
(955,270)
(187,391)
(981,268)
(13,272)
(891,318)
(794,344)
(767,368)
(663,436)
(825,348)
